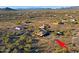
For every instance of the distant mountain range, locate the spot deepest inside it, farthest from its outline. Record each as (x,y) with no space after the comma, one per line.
(7,9)
(67,8)
(10,9)
(70,8)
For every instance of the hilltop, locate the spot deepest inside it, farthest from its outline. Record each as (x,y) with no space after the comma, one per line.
(7,9)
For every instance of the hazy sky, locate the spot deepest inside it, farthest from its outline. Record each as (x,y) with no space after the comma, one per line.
(39,2)
(53,7)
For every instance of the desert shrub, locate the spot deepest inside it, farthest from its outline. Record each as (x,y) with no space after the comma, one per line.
(22,37)
(5,39)
(18,22)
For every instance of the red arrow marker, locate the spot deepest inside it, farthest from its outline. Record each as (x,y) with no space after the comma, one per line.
(62,44)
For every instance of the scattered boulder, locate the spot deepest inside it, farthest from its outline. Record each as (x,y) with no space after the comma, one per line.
(21,27)
(44,26)
(44,30)
(72,20)
(43,33)
(60,33)
(18,28)
(64,20)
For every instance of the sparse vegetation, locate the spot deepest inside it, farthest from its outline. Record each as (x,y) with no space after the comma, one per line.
(58,24)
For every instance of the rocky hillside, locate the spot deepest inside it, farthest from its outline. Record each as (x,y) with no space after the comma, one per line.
(39,31)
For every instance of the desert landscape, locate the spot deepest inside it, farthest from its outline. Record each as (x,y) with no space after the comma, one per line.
(39,30)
